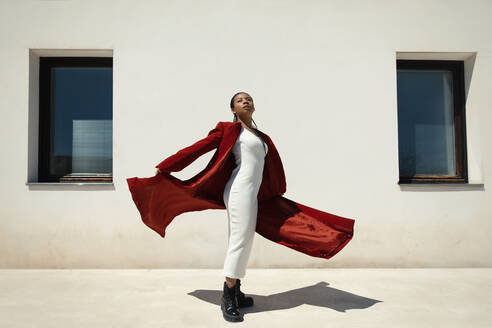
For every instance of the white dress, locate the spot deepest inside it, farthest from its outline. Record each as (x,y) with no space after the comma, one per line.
(240,199)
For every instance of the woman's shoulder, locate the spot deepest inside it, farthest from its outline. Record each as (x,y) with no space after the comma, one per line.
(227,124)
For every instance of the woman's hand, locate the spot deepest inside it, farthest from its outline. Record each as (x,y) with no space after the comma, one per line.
(158,171)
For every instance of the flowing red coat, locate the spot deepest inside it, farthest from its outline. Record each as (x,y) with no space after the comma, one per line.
(161,198)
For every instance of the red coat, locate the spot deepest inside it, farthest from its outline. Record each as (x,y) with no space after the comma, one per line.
(160,198)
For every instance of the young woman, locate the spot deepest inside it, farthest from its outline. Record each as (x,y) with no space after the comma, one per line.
(246,177)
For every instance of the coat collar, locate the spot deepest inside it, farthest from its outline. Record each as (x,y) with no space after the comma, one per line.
(237,125)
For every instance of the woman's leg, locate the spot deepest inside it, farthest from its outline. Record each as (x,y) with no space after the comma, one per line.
(242,212)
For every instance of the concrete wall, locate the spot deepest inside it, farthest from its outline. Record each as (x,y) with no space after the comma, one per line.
(323,78)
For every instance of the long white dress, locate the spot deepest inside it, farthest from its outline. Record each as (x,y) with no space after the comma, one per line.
(240,199)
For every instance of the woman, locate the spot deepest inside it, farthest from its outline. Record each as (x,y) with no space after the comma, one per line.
(245,176)
(240,198)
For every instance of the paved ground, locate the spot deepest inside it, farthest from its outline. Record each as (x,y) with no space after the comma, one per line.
(393,298)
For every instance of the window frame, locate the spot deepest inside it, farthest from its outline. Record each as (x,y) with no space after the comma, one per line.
(457,69)
(45,66)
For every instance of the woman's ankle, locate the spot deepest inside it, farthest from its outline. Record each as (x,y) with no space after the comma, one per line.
(231,282)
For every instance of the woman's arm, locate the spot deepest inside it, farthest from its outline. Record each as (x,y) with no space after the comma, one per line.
(186,156)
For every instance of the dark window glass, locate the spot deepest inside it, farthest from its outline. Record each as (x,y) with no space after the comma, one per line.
(76,119)
(431,131)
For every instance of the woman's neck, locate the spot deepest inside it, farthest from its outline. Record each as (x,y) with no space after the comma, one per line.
(246,122)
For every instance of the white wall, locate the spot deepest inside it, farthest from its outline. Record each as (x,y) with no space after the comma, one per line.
(323,77)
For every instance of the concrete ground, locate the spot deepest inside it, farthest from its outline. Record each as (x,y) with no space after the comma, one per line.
(283,298)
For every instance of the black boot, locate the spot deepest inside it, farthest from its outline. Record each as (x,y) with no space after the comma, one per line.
(242,300)
(229,304)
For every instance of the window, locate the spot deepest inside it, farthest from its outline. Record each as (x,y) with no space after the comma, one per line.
(75,119)
(431,121)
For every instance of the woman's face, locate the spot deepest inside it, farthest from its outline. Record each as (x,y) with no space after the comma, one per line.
(243,105)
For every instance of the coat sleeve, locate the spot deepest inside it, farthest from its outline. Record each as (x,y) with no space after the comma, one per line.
(186,156)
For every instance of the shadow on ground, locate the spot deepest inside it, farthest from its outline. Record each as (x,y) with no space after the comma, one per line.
(319,295)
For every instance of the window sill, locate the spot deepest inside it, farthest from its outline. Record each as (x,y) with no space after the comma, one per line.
(70,184)
(441,186)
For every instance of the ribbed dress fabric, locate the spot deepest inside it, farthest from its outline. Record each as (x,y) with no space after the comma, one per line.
(240,199)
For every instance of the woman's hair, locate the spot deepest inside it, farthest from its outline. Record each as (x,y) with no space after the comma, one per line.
(232,106)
